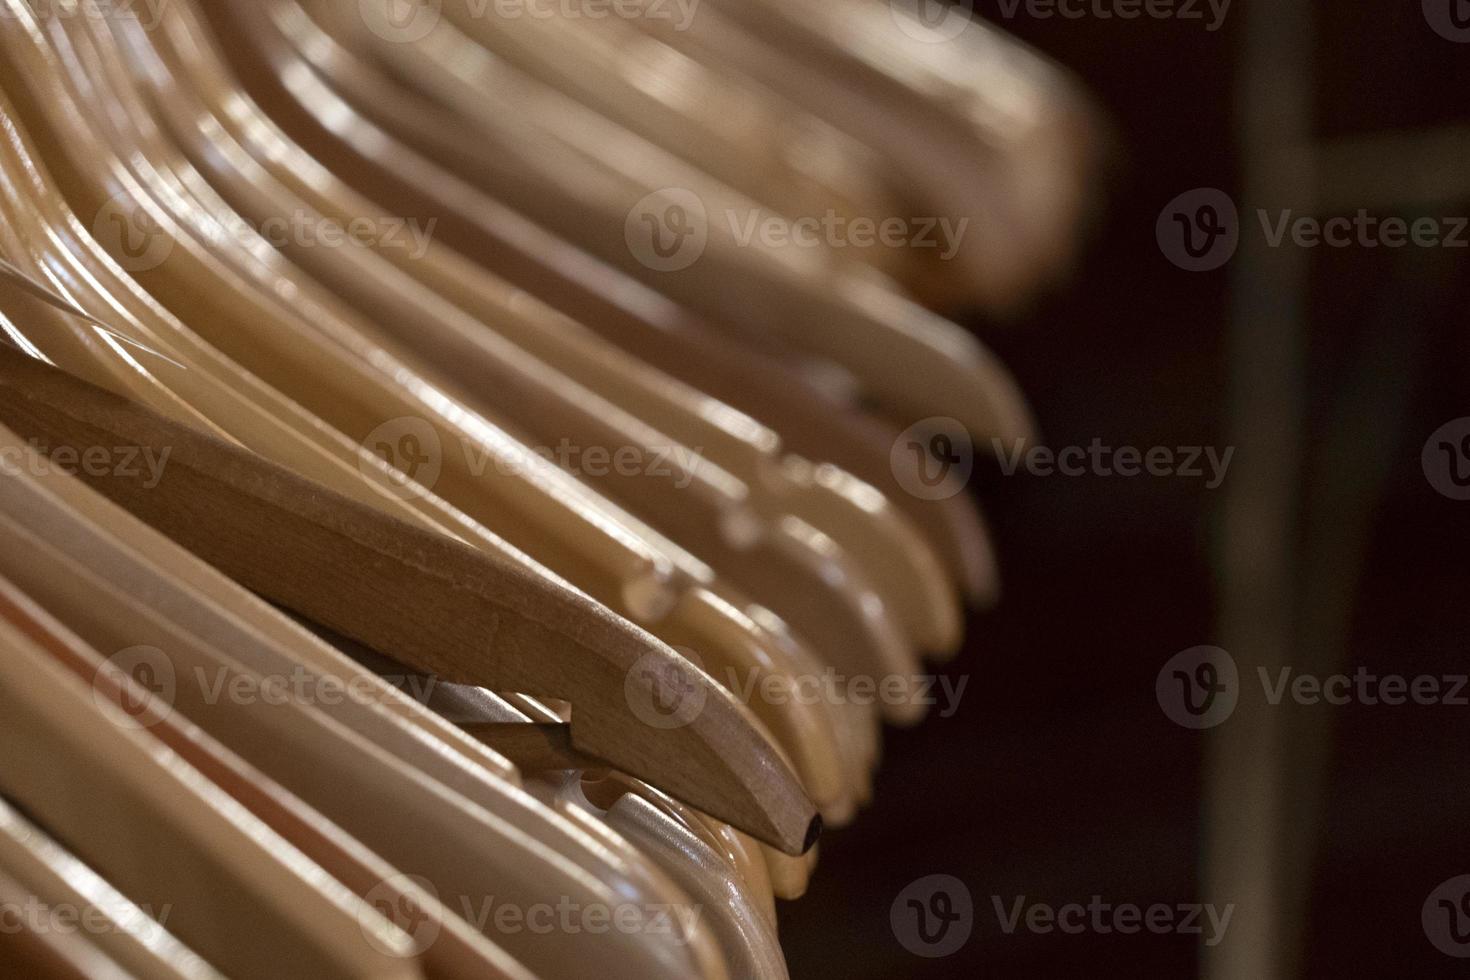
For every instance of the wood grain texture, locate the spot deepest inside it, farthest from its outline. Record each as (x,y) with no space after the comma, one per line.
(431,603)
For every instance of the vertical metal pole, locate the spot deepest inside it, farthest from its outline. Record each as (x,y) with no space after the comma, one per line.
(1246,766)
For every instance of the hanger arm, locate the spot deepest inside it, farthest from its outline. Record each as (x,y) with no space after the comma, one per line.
(427,601)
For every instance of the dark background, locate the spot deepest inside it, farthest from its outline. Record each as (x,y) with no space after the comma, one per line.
(1060,778)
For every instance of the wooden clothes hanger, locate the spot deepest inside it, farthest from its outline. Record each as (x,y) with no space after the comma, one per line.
(411,821)
(747,936)
(46,953)
(540,396)
(556,271)
(625,311)
(125,934)
(164,449)
(742,133)
(969,120)
(900,563)
(583,176)
(164,835)
(237,642)
(291,388)
(312,529)
(443,944)
(46,337)
(644,581)
(806,750)
(209,605)
(766,873)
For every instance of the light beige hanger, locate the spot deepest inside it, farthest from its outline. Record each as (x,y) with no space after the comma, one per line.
(747,936)
(44,337)
(296,539)
(584,176)
(341,671)
(415,824)
(443,944)
(740,943)
(127,935)
(191,268)
(621,309)
(119,927)
(477,710)
(731,128)
(904,569)
(562,791)
(703,506)
(763,473)
(163,449)
(127,357)
(94,279)
(202,600)
(969,120)
(615,563)
(348,683)
(49,954)
(164,835)
(740,852)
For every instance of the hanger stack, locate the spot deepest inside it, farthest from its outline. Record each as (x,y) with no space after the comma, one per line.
(410,566)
